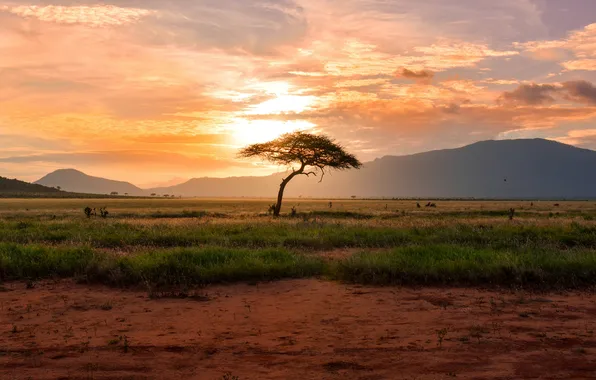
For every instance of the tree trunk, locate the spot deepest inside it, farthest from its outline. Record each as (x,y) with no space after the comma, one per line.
(282,187)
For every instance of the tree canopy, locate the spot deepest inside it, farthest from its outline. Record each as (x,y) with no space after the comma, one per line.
(314,153)
(317,151)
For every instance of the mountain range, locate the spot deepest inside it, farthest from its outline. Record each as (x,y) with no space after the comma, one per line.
(78,182)
(525,168)
(16,187)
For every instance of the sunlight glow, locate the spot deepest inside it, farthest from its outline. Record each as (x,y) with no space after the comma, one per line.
(246,132)
(281,104)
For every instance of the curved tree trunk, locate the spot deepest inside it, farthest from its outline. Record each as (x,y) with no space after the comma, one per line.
(280,196)
(282,187)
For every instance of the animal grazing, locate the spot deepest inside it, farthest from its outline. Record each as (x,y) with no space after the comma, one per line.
(103,212)
(417,204)
(556,205)
(89,212)
(511,213)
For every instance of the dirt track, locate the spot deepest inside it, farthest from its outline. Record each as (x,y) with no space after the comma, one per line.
(303,329)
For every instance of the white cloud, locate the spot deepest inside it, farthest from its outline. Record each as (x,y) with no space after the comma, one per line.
(580,43)
(97,16)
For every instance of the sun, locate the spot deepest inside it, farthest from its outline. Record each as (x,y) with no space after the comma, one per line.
(253,125)
(246,132)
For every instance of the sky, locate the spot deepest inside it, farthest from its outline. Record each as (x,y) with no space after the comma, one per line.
(155,92)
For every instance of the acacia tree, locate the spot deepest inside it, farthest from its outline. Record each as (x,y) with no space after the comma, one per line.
(315,154)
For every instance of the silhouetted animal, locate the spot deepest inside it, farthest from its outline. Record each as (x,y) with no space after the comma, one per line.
(511,213)
(104,212)
(556,205)
(417,205)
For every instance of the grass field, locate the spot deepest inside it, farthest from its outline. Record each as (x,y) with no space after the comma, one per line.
(217,289)
(186,242)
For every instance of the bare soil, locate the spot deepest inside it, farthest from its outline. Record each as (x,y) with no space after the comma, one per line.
(302,329)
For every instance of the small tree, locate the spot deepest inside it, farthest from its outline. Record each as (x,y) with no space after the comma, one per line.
(314,153)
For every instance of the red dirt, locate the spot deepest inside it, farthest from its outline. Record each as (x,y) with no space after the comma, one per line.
(303,329)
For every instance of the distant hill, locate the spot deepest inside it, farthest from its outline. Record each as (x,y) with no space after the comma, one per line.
(16,187)
(79,182)
(529,168)
(224,187)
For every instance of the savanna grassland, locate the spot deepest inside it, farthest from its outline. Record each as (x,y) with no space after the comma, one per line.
(197,242)
(196,288)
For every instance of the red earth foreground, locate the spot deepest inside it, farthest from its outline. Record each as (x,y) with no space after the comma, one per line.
(298,329)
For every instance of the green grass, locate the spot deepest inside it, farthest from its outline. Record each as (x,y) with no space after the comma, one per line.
(181,266)
(415,265)
(170,242)
(455,265)
(299,235)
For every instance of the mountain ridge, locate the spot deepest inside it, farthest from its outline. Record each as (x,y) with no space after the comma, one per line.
(521,168)
(15,186)
(76,181)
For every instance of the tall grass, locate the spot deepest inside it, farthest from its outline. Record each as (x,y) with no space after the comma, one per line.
(456,265)
(158,267)
(469,243)
(297,235)
(415,265)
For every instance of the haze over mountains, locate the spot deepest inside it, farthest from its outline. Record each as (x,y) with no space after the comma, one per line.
(78,182)
(529,168)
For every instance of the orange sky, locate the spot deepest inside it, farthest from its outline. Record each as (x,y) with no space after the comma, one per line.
(150,91)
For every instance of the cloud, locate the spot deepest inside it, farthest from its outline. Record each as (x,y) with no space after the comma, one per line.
(129,159)
(531,94)
(580,64)
(258,27)
(170,85)
(580,91)
(579,44)
(97,16)
(28,141)
(179,138)
(537,94)
(408,125)
(423,75)
(500,82)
